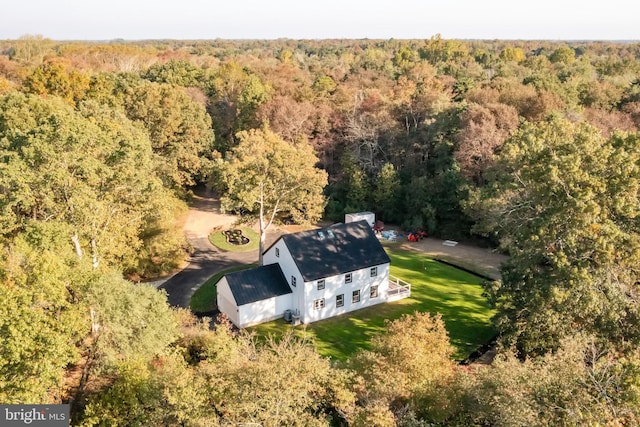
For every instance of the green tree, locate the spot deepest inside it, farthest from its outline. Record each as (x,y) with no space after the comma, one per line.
(164,391)
(580,384)
(179,129)
(267,176)
(358,189)
(40,319)
(514,54)
(129,320)
(174,72)
(91,169)
(280,382)
(405,58)
(388,195)
(564,54)
(236,94)
(324,86)
(565,203)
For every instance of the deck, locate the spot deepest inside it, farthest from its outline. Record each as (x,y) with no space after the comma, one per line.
(398,289)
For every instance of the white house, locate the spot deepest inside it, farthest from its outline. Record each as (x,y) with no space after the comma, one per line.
(317,274)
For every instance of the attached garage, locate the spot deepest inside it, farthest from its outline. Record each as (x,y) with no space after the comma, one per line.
(254,296)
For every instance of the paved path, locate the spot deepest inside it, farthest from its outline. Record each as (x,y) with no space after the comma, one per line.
(205,260)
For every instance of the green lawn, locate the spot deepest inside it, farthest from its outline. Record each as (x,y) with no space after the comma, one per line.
(204,299)
(435,288)
(219,240)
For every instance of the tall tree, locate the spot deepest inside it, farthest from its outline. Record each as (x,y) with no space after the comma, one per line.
(40,318)
(53,78)
(179,129)
(566,206)
(267,176)
(90,169)
(388,194)
(484,130)
(409,360)
(236,95)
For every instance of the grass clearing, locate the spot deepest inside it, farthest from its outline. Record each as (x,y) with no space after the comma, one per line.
(219,240)
(435,288)
(204,299)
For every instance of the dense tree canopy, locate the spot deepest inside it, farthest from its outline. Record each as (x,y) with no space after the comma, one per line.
(532,144)
(91,169)
(565,202)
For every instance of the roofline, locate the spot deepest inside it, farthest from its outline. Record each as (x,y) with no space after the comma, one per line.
(288,250)
(347,271)
(273,244)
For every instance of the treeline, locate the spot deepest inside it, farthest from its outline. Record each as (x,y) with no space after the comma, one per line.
(532,145)
(404,128)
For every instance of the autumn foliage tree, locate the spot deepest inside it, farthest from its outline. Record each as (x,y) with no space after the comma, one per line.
(267,176)
(406,363)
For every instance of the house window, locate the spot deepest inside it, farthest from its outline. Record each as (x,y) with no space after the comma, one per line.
(347,278)
(355,296)
(318,304)
(277,252)
(374,271)
(374,291)
(320,284)
(340,300)
(293,281)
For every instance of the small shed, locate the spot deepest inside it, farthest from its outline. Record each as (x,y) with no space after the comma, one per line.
(370,217)
(253,296)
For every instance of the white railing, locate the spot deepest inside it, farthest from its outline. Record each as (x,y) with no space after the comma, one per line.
(398,288)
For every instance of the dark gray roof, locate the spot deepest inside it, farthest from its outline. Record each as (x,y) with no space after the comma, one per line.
(257,284)
(335,250)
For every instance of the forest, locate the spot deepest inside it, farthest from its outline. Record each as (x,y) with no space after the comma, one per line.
(530,147)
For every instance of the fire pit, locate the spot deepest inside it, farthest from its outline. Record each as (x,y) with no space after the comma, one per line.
(235,237)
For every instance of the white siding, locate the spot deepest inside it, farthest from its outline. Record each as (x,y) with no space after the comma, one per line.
(226,302)
(335,285)
(289,269)
(263,311)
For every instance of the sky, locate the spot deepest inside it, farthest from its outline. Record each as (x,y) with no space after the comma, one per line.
(300,19)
